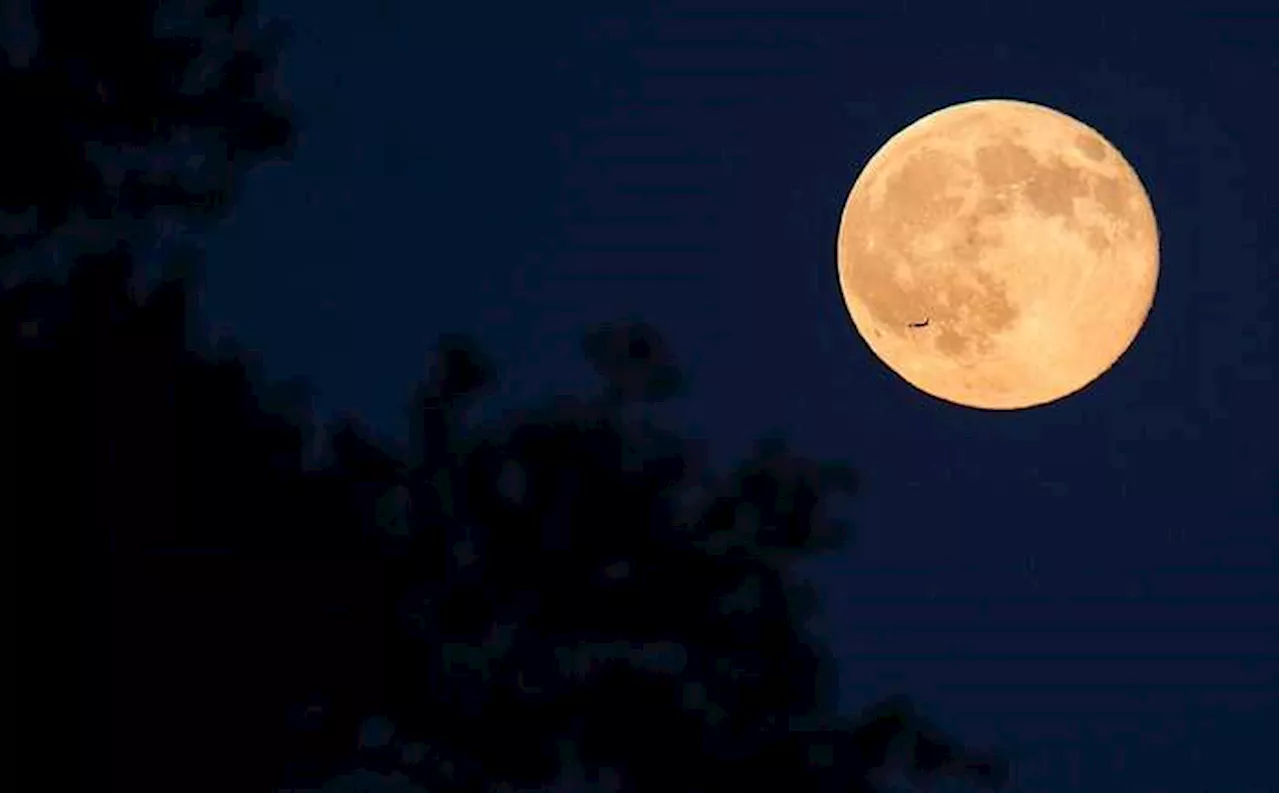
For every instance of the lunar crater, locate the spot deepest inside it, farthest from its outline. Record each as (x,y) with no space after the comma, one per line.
(1091,147)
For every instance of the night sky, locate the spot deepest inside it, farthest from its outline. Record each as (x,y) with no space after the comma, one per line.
(1087,585)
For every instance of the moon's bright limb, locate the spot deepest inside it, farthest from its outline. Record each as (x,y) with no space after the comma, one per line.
(998,254)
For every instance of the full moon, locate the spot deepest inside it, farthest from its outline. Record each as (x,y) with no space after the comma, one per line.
(998,254)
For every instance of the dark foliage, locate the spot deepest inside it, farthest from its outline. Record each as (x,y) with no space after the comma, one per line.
(568,592)
(131,111)
(570,585)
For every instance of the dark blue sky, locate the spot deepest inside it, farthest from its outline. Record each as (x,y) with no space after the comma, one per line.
(1089,584)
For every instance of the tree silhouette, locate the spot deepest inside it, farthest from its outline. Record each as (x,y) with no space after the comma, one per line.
(131,112)
(156,499)
(568,593)
(586,586)
(569,588)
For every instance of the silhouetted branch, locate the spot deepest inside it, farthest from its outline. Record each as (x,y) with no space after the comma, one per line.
(130,110)
(634,361)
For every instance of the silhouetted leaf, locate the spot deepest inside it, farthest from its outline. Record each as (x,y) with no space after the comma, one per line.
(635,362)
(126,114)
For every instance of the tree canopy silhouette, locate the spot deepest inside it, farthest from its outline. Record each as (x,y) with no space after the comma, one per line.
(569,595)
(132,112)
(569,588)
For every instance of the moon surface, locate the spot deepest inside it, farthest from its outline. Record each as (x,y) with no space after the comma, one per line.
(998,254)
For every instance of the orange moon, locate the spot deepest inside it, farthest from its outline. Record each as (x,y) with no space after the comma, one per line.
(998,254)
